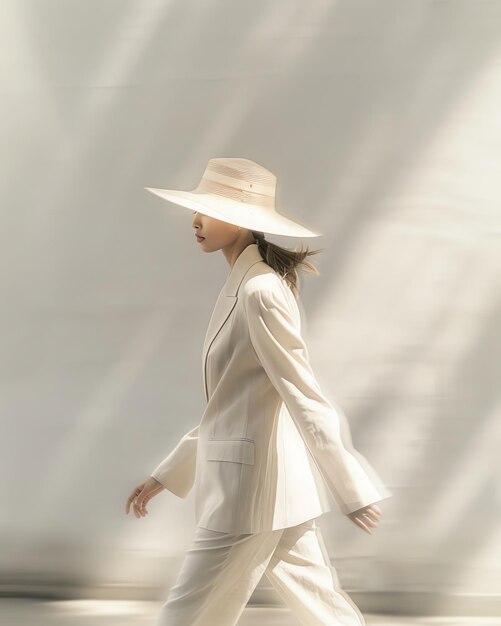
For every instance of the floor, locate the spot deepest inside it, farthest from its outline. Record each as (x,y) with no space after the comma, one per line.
(22,612)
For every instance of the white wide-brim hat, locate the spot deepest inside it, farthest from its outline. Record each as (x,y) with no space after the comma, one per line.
(240,192)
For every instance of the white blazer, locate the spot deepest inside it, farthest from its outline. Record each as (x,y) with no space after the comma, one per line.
(269,441)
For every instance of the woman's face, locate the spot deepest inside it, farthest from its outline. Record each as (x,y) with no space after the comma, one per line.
(216,233)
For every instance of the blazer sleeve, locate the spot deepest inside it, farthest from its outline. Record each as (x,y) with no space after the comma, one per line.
(277,341)
(177,471)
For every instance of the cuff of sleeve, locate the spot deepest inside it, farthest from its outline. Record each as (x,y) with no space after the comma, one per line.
(168,485)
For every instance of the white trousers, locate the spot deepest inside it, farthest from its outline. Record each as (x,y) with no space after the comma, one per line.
(221,570)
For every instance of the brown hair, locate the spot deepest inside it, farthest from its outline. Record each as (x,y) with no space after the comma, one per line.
(286,262)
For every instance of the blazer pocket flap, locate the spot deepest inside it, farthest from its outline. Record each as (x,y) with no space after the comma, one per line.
(236,450)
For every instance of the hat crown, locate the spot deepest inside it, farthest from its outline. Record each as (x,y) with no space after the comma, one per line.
(239,178)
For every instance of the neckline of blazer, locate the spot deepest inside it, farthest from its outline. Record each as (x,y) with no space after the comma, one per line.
(245,260)
(226,301)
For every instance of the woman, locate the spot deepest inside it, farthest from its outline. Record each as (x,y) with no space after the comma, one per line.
(268,440)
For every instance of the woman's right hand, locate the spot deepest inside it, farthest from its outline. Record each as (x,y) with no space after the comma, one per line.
(141,495)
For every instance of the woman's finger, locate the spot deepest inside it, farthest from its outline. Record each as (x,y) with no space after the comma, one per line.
(360,523)
(368,520)
(371,512)
(141,495)
(131,498)
(141,502)
(372,516)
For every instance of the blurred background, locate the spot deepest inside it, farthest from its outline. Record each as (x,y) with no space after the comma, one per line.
(380,119)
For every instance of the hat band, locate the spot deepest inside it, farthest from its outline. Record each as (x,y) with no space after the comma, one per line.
(238,183)
(239,195)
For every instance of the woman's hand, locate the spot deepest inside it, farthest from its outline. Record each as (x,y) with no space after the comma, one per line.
(141,495)
(366,517)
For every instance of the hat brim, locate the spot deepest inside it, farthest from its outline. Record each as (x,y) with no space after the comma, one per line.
(253,217)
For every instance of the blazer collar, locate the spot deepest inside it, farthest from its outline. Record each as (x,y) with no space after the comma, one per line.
(248,257)
(227,299)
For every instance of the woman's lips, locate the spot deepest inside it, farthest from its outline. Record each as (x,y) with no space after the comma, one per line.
(199,239)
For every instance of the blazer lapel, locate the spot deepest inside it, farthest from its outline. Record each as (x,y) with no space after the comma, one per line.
(226,301)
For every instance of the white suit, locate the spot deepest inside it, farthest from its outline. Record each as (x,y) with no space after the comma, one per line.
(267,433)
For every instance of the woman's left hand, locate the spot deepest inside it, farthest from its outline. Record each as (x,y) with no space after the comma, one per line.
(367,517)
